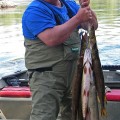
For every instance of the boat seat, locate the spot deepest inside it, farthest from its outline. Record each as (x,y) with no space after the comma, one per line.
(113,95)
(11,91)
(20,97)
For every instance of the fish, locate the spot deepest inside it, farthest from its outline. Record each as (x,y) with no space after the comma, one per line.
(93,103)
(86,81)
(77,82)
(97,70)
(88,71)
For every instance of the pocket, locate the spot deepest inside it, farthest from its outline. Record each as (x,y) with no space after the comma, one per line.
(70,52)
(72,47)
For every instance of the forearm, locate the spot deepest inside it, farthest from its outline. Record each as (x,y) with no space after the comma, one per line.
(58,34)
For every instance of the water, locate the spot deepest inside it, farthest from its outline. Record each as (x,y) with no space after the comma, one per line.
(108,33)
(11,38)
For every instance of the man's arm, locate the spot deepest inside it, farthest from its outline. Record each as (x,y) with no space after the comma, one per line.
(58,34)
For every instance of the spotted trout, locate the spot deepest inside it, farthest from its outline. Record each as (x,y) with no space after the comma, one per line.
(97,70)
(77,84)
(86,81)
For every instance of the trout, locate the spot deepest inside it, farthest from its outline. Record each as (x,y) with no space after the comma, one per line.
(86,80)
(77,82)
(97,70)
(93,103)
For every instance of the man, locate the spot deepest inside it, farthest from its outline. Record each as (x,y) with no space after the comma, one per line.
(50,29)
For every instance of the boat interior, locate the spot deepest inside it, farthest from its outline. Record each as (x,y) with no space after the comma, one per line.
(15,95)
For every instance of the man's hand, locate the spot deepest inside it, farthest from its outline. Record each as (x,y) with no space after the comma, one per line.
(92,15)
(84,14)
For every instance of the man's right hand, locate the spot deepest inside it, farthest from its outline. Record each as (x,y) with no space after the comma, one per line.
(84,14)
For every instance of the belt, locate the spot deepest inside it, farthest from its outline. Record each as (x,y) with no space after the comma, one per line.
(41,69)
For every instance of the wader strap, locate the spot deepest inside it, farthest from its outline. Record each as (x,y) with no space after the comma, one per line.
(56,17)
(70,12)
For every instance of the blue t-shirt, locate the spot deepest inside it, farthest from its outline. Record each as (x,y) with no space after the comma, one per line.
(38,17)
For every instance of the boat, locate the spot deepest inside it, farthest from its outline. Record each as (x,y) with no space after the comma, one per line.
(15,95)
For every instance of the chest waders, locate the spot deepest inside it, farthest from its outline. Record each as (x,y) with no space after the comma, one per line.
(51,71)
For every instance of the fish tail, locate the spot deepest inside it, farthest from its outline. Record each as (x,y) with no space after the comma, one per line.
(103,112)
(105,99)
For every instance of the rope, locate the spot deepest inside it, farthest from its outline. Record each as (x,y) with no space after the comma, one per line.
(2,116)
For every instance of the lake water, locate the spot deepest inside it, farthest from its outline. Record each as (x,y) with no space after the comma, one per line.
(11,39)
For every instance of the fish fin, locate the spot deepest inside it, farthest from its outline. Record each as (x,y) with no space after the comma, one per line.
(103,112)
(105,100)
(98,99)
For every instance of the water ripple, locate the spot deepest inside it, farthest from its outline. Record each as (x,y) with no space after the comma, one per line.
(12,41)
